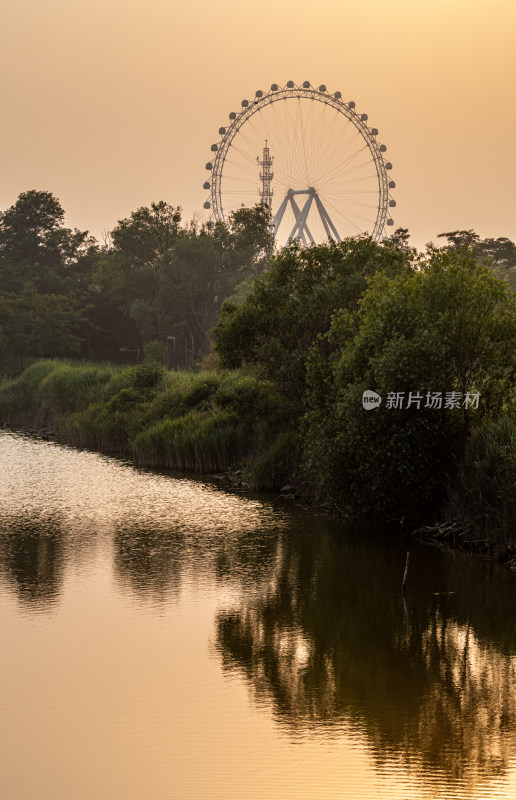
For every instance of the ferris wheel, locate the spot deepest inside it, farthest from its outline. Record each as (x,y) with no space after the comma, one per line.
(310,157)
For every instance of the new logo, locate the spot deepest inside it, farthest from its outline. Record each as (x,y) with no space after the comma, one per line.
(371,400)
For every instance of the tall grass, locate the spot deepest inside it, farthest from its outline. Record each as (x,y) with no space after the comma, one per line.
(275,465)
(483,494)
(200,441)
(69,388)
(20,397)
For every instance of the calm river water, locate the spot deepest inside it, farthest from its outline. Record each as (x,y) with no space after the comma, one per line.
(163,638)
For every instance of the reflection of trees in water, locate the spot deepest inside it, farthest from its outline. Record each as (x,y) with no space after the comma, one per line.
(153,561)
(148,561)
(329,640)
(32,560)
(474,699)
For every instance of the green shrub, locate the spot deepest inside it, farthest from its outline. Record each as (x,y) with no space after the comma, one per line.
(155,351)
(124,400)
(250,397)
(143,377)
(121,378)
(21,395)
(81,429)
(146,376)
(202,388)
(292,303)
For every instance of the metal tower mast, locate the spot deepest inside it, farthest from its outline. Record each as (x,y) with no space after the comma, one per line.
(266,176)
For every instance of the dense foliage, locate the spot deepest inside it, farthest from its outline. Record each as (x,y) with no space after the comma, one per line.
(274,328)
(448,326)
(61,293)
(499,254)
(327,323)
(483,493)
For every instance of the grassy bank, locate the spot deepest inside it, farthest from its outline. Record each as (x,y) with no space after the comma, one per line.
(200,422)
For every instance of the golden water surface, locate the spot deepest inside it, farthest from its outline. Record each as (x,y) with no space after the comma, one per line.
(164,638)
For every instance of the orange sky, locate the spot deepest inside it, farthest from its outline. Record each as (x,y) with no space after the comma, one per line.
(112,105)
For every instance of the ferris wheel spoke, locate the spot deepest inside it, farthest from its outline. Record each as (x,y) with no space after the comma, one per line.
(349,223)
(354,193)
(360,205)
(230,180)
(369,180)
(352,180)
(345,199)
(355,173)
(339,151)
(340,168)
(349,213)
(302,130)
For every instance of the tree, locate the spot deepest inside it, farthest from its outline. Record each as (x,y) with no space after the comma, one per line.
(449,326)
(212,263)
(499,254)
(400,238)
(38,325)
(35,246)
(171,281)
(45,272)
(293,302)
(148,234)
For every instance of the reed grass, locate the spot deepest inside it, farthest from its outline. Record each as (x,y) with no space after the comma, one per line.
(483,493)
(20,396)
(69,388)
(276,465)
(200,441)
(213,421)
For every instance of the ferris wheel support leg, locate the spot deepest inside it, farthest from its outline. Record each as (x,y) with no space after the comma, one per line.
(299,228)
(276,222)
(297,214)
(326,219)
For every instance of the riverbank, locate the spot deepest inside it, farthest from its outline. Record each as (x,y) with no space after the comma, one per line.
(202,422)
(230,422)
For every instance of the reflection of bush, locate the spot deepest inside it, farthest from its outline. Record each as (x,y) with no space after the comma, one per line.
(149,561)
(474,702)
(422,682)
(32,560)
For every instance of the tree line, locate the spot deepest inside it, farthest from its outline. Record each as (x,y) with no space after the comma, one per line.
(62,294)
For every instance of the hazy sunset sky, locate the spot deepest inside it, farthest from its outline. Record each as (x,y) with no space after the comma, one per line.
(112,105)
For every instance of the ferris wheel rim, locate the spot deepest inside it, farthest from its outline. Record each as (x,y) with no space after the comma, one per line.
(306,91)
